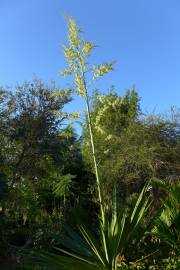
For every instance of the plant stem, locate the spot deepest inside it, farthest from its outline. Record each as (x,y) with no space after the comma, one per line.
(94,155)
(92,142)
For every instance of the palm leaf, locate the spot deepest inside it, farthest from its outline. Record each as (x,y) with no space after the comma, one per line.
(167,226)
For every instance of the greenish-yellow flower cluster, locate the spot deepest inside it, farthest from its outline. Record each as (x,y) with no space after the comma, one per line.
(76,54)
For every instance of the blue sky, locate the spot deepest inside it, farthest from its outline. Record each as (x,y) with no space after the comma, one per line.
(143,36)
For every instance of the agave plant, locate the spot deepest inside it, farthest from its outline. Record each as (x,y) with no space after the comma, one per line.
(104,250)
(167,227)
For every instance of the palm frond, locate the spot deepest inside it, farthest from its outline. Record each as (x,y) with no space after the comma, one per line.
(167,226)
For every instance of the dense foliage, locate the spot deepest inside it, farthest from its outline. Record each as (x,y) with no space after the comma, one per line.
(131,147)
(38,153)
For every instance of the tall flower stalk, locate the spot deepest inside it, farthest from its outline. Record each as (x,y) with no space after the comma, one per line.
(117,230)
(77,53)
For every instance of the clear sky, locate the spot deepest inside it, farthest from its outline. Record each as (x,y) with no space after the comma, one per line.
(143,36)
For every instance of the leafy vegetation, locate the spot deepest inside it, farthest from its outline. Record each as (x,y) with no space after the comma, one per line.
(168,223)
(115,236)
(106,200)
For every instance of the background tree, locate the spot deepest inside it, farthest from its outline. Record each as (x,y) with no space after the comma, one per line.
(38,149)
(131,147)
